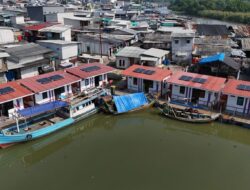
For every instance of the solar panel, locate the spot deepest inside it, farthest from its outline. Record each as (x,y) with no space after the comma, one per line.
(185,78)
(44,80)
(149,72)
(6,90)
(243,87)
(56,77)
(91,68)
(139,70)
(199,80)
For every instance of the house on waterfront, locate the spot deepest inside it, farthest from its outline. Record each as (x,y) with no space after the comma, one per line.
(92,75)
(28,60)
(52,86)
(65,52)
(128,56)
(236,97)
(14,97)
(147,79)
(200,89)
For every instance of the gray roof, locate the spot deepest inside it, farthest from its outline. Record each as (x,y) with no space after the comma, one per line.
(153,52)
(130,51)
(27,50)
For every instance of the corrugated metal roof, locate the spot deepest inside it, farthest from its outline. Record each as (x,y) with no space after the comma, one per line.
(130,51)
(27,50)
(153,52)
(158,75)
(35,86)
(19,92)
(82,74)
(56,28)
(211,84)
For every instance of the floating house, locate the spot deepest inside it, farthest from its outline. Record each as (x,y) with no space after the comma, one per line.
(91,75)
(14,97)
(147,79)
(200,89)
(236,97)
(52,86)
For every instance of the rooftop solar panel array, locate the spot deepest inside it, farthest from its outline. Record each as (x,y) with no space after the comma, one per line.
(144,71)
(50,79)
(189,78)
(243,87)
(90,69)
(6,90)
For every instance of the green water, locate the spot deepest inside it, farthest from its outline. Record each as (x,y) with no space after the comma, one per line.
(139,151)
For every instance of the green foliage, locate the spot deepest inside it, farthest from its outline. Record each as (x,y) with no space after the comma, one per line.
(234,10)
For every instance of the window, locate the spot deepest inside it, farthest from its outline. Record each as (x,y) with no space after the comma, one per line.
(182,89)
(202,94)
(123,63)
(188,41)
(45,95)
(176,41)
(240,101)
(86,82)
(120,62)
(100,77)
(134,81)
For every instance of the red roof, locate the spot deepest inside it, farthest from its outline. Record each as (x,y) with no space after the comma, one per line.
(19,92)
(35,86)
(77,71)
(211,84)
(37,27)
(231,88)
(158,75)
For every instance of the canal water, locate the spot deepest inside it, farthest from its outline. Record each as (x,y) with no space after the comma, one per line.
(139,151)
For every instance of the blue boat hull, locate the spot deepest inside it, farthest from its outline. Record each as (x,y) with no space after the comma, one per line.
(9,139)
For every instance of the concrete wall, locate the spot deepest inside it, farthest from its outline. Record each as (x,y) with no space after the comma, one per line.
(91,82)
(52,9)
(232,106)
(57,17)
(74,23)
(122,60)
(182,47)
(66,35)
(35,13)
(94,47)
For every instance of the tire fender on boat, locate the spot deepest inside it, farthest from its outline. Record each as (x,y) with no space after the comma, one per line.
(28,137)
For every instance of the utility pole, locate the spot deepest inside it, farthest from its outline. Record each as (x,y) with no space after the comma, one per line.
(100,35)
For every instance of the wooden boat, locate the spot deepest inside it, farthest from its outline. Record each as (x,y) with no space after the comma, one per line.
(109,105)
(39,121)
(187,115)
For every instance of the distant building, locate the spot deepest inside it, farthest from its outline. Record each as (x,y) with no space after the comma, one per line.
(212,30)
(39,13)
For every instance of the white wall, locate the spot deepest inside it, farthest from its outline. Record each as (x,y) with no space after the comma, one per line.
(94,47)
(92,82)
(29,72)
(69,51)
(122,59)
(232,104)
(66,35)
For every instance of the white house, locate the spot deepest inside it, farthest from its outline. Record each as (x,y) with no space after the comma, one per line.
(199,89)
(128,56)
(65,51)
(57,32)
(92,75)
(52,86)
(147,79)
(153,57)
(236,97)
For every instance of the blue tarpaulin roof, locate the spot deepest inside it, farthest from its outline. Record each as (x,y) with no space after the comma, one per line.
(41,108)
(217,57)
(129,102)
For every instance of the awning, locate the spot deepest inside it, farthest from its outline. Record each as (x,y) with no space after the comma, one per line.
(129,102)
(214,58)
(35,110)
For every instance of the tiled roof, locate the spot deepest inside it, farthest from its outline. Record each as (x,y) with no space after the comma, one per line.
(158,75)
(18,92)
(231,88)
(211,84)
(35,86)
(77,71)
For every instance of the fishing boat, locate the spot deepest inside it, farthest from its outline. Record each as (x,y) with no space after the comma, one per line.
(187,115)
(35,122)
(127,103)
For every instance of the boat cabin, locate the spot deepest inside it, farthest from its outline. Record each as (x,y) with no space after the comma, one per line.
(12,98)
(236,97)
(147,79)
(91,75)
(52,86)
(201,90)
